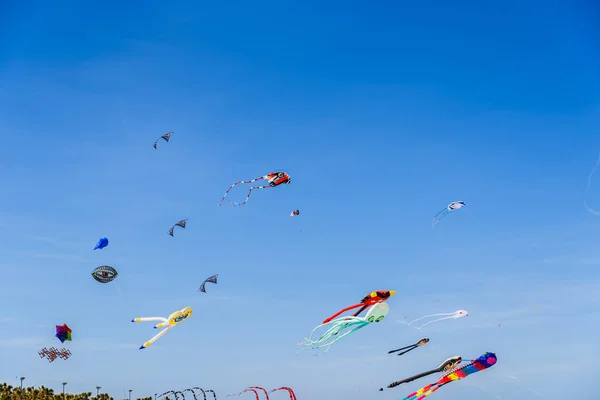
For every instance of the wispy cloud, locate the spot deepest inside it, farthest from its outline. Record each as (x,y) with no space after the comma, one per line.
(42,239)
(21,342)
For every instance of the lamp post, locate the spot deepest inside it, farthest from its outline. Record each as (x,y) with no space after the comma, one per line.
(98,390)
(130,390)
(21,392)
(64,384)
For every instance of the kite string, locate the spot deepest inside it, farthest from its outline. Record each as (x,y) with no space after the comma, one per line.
(587,189)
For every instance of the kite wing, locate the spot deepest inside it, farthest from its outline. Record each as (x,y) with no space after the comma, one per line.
(212,279)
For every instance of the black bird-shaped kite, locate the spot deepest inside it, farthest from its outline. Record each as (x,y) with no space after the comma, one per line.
(180,224)
(166,138)
(212,279)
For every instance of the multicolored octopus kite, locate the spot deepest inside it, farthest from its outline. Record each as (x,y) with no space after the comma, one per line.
(485,361)
(369,300)
(167,323)
(376,313)
(273,178)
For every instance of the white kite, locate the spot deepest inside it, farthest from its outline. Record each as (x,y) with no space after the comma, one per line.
(167,323)
(455,205)
(454,315)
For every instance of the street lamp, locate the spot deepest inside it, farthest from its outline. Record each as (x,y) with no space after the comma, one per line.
(64,384)
(21,392)
(98,390)
(130,390)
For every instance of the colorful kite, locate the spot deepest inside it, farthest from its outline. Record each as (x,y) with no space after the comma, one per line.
(369,300)
(63,332)
(289,390)
(167,323)
(212,279)
(104,273)
(180,224)
(445,366)
(54,353)
(273,178)
(295,213)
(455,205)
(165,137)
(102,243)
(406,349)
(485,361)
(454,315)
(344,326)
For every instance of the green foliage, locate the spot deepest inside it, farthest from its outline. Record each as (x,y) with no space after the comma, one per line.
(7,392)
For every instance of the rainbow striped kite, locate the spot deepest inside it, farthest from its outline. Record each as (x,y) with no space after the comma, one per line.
(485,361)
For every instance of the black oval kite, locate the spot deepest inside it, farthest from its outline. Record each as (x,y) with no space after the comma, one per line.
(104,274)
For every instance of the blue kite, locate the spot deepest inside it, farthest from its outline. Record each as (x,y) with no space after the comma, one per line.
(102,243)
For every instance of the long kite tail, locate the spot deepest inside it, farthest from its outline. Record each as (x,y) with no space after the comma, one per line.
(213,393)
(337,314)
(414,377)
(238,183)
(289,390)
(406,350)
(439,216)
(249,193)
(260,388)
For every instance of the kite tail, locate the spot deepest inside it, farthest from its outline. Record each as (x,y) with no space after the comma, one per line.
(337,314)
(248,195)
(237,183)
(261,388)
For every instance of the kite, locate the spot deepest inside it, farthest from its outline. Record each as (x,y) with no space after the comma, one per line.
(167,323)
(455,205)
(454,315)
(273,178)
(295,213)
(63,332)
(289,390)
(181,224)
(445,366)
(104,273)
(102,243)
(165,137)
(53,353)
(485,361)
(406,349)
(213,393)
(212,279)
(369,300)
(376,313)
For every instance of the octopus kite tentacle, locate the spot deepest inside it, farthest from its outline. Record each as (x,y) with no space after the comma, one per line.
(290,391)
(200,389)
(485,361)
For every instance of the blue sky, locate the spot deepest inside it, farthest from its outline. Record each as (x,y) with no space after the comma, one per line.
(382,113)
